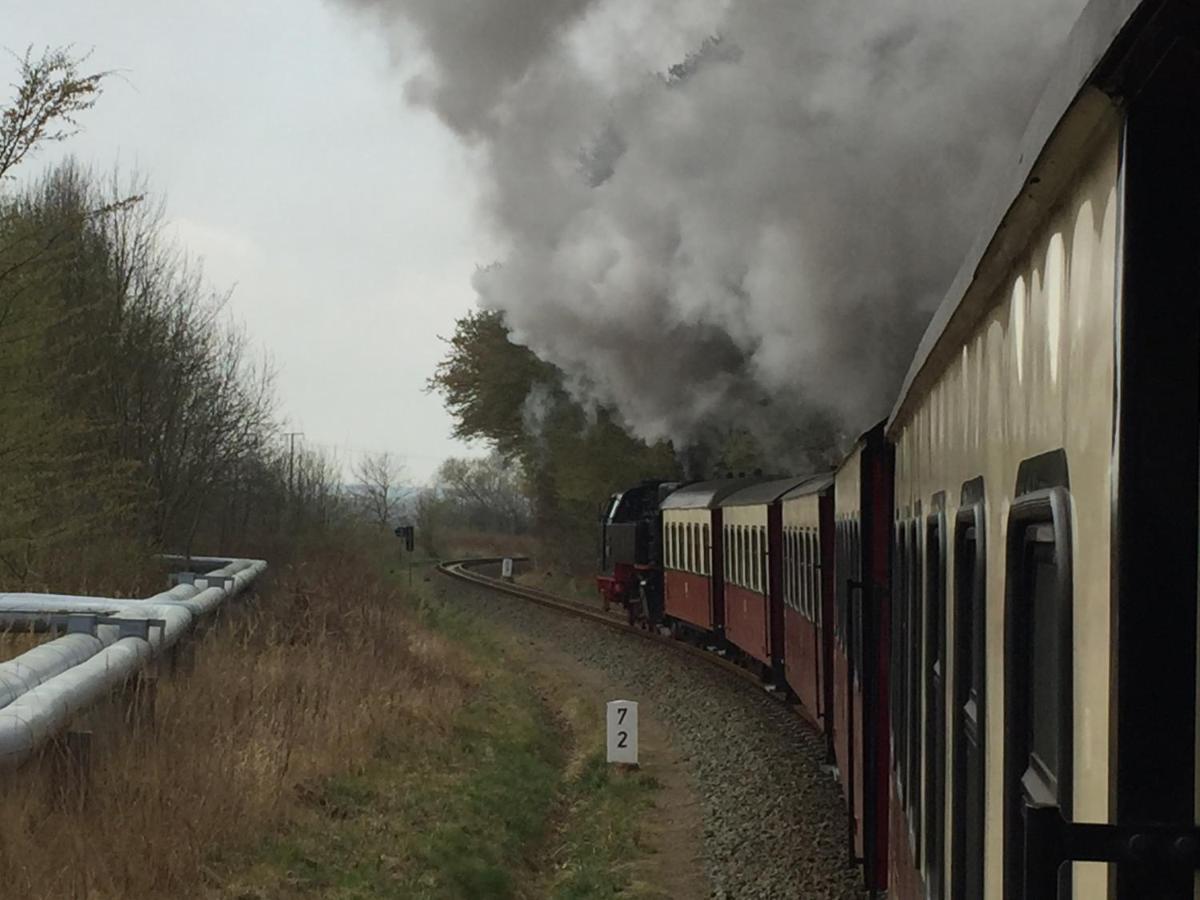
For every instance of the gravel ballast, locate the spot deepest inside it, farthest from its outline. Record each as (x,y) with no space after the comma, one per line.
(774,818)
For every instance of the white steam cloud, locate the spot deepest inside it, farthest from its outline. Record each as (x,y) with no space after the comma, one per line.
(731,211)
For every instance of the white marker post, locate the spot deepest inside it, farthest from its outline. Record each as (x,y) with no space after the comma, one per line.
(506,568)
(623,732)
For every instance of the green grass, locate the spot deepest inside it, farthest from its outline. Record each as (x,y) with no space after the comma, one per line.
(600,838)
(515,801)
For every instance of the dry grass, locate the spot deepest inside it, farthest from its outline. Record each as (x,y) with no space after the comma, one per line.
(14,643)
(310,680)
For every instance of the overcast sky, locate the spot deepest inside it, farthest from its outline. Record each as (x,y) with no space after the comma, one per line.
(342,216)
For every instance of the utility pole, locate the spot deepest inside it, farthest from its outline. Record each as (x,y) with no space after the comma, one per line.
(291,436)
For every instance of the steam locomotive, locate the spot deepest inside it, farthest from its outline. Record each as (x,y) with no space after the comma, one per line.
(990,606)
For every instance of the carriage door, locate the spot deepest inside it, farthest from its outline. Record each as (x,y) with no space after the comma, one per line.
(1038,680)
(935,701)
(968,708)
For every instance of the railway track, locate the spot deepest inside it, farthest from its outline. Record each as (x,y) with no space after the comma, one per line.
(462,570)
(773,817)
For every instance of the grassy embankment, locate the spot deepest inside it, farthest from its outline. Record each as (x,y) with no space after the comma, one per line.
(337,739)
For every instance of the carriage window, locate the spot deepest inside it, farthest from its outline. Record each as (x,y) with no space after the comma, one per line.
(745,560)
(840,592)
(753,585)
(1042,590)
(670,545)
(800,569)
(899,648)
(913,679)
(795,568)
(933,684)
(801,566)
(731,552)
(788,559)
(809,568)
(764,552)
(814,575)
(738,555)
(968,716)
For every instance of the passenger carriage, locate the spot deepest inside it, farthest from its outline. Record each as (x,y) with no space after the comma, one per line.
(1045,579)
(693,552)
(752,533)
(808,582)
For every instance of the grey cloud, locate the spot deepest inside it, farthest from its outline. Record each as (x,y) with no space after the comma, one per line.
(757,228)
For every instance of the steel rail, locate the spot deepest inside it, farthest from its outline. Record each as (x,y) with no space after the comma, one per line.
(460,569)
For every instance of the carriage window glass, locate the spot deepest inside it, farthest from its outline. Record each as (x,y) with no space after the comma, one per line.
(914,663)
(815,576)
(753,573)
(795,568)
(764,552)
(745,555)
(738,556)
(747,558)
(730,554)
(809,564)
(801,569)
(788,561)
(670,542)
(814,585)
(748,543)
(841,573)
(1047,658)
(698,560)
(793,565)
(796,540)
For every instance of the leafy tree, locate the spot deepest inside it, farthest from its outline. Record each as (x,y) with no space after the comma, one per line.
(572,459)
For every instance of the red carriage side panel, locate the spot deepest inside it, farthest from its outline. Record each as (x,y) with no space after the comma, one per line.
(747,622)
(801,643)
(688,598)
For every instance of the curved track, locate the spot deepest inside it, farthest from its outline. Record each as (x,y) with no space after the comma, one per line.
(461,569)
